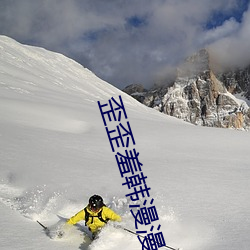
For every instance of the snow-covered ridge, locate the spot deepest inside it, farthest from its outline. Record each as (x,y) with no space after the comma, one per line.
(34,66)
(33,74)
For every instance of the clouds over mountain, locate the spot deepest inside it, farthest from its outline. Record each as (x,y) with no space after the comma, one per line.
(130,41)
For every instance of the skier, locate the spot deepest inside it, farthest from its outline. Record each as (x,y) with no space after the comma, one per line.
(95,214)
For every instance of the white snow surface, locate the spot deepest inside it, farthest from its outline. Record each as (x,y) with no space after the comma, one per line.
(55,154)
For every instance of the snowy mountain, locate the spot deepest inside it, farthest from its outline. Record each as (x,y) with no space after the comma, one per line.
(55,154)
(201,95)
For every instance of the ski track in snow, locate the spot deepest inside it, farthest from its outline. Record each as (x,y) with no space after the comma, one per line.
(36,204)
(40,204)
(31,204)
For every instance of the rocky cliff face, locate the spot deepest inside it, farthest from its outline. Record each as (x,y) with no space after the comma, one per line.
(199,96)
(237,81)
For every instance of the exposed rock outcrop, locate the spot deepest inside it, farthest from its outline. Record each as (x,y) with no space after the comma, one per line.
(199,96)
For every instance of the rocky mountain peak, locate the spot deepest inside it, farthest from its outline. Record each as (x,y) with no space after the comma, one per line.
(200,96)
(196,64)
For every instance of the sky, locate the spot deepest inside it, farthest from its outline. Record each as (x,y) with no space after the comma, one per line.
(136,41)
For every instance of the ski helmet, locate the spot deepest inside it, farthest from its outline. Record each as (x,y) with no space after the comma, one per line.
(95,202)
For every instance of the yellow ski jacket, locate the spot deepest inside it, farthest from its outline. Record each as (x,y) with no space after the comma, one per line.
(94,223)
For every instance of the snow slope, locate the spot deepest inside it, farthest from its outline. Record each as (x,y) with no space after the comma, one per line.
(55,153)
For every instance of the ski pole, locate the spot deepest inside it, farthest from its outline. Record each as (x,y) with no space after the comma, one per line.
(145,237)
(45,228)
